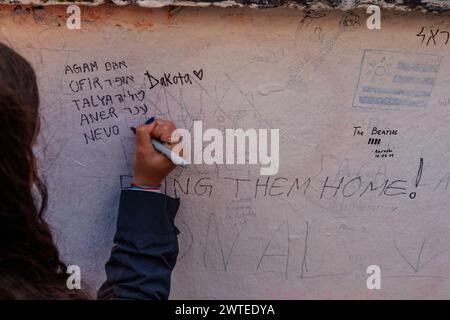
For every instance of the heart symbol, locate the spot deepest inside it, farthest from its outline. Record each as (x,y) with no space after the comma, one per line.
(198,74)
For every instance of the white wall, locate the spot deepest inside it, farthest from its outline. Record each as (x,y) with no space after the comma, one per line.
(261,69)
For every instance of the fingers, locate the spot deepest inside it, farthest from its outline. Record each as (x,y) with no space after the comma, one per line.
(143,138)
(150,166)
(163,130)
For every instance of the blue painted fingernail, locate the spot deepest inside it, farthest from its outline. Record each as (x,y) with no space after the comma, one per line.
(150,121)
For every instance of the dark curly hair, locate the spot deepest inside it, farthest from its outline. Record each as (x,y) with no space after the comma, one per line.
(30,265)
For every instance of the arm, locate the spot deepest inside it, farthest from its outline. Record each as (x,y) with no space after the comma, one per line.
(145,244)
(145,250)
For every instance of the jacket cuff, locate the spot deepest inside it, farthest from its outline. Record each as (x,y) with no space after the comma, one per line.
(147,212)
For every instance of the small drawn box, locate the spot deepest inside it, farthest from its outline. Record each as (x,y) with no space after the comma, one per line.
(395,80)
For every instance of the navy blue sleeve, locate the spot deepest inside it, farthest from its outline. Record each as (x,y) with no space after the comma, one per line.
(145,247)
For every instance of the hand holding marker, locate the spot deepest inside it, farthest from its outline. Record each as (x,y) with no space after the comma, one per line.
(175,158)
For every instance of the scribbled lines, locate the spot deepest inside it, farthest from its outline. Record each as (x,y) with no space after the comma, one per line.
(418,265)
(374,141)
(394,80)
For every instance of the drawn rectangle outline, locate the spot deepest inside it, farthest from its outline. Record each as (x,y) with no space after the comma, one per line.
(393,108)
